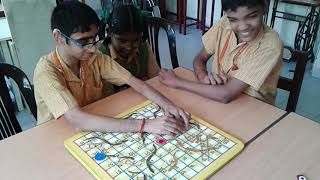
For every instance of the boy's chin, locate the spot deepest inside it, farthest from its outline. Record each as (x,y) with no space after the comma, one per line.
(246,39)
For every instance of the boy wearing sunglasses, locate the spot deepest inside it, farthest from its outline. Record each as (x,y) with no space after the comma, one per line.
(71,77)
(247,56)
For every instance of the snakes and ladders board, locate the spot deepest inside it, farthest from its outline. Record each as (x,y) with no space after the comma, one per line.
(196,154)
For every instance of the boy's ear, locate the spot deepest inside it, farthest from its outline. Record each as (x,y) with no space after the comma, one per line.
(57,37)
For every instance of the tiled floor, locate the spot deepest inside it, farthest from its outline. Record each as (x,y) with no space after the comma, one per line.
(188,46)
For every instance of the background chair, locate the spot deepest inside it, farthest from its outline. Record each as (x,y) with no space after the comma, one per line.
(9,124)
(153,25)
(294,85)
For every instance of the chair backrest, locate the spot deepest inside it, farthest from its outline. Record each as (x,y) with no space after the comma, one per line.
(307,33)
(294,85)
(153,26)
(9,124)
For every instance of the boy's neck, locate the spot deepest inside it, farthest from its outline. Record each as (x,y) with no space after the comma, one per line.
(71,62)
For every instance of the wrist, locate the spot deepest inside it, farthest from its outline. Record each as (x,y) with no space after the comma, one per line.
(201,73)
(147,127)
(142,126)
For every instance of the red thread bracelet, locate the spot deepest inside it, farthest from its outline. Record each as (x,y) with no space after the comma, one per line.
(142,125)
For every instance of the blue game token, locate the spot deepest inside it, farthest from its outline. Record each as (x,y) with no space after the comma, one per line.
(100,156)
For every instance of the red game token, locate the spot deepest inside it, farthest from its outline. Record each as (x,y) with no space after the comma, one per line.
(161,141)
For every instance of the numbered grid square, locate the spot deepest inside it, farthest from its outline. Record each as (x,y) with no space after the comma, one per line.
(214,155)
(180,164)
(204,160)
(187,159)
(114,171)
(170,172)
(179,176)
(107,164)
(89,135)
(189,173)
(161,152)
(159,165)
(168,158)
(161,176)
(122,176)
(222,149)
(196,166)
(230,144)
(194,155)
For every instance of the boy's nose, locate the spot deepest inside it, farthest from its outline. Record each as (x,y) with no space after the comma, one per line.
(243,26)
(92,49)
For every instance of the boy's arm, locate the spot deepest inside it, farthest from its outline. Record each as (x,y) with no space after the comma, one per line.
(200,66)
(84,121)
(222,93)
(200,70)
(150,93)
(153,67)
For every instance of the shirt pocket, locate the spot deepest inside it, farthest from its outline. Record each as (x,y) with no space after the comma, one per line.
(94,93)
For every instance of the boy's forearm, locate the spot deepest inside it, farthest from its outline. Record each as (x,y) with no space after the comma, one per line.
(199,67)
(90,122)
(217,93)
(200,62)
(149,92)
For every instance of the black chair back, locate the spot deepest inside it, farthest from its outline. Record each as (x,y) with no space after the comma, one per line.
(153,26)
(9,124)
(294,85)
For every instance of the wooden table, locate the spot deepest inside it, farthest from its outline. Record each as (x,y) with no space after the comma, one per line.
(39,153)
(290,148)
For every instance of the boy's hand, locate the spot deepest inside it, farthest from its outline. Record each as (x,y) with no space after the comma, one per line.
(178,113)
(218,79)
(165,125)
(212,79)
(203,78)
(168,78)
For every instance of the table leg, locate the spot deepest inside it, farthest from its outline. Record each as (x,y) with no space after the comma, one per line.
(203,16)
(184,17)
(212,12)
(198,14)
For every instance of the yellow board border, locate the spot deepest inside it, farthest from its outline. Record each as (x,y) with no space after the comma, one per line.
(100,173)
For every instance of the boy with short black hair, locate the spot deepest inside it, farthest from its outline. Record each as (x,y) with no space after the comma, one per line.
(126,42)
(71,77)
(247,54)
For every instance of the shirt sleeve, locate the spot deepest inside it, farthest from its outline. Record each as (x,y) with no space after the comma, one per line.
(153,67)
(210,38)
(258,65)
(53,90)
(113,72)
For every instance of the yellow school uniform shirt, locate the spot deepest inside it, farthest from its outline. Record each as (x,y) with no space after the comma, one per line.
(152,68)
(52,93)
(259,63)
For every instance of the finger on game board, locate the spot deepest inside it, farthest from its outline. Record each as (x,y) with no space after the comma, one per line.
(186,118)
(174,127)
(180,123)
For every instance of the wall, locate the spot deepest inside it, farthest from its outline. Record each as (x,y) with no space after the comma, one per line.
(29,22)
